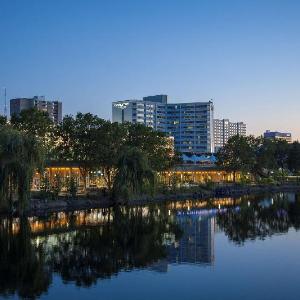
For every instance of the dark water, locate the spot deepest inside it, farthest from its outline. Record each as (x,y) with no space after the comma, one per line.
(246,248)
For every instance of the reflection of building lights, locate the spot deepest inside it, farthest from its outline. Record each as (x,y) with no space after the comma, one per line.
(248,203)
(219,206)
(169,213)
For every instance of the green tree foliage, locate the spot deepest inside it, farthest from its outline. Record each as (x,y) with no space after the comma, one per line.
(3,120)
(134,173)
(294,157)
(98,144)
(157,147)
(33,121)
(110,140)
(238,155)
(76,140)
(72,186)
(20,155)
(37,123)
(281,153)
(265,157)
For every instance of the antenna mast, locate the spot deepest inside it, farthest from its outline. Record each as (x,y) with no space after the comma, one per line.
(5,104)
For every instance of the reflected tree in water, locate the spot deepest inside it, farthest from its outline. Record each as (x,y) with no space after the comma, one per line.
(260,221)
(22,266)
(131,240)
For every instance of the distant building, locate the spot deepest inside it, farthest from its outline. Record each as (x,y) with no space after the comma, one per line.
(224,129)
(275,135)
(191,124)
(53,108)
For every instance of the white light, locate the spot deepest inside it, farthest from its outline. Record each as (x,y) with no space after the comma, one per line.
(121,105)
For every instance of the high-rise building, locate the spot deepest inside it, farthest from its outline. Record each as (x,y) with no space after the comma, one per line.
(224,129)
(275,135)
(53,108)
(191,124)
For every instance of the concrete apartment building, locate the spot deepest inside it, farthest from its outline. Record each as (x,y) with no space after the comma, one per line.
(191,123)
(53,108)
(276,135)
(224,129)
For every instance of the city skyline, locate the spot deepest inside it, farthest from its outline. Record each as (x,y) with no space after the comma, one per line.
(243,56)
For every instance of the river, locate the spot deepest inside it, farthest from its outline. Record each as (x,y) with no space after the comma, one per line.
(243,248)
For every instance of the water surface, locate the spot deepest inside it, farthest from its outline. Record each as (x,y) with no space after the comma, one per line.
(245,248)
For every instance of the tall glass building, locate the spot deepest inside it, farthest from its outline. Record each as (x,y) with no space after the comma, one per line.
(191,124)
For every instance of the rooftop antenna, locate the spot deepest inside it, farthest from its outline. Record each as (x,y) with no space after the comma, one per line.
(5,104)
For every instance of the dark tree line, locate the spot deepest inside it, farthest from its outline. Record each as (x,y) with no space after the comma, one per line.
(263,158)
(128,155)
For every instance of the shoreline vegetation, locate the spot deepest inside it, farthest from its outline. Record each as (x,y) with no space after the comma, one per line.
(128,158)
(41,207)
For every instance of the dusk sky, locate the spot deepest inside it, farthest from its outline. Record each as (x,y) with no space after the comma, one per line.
(245,55)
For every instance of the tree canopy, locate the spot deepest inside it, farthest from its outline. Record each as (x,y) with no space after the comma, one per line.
(20,155)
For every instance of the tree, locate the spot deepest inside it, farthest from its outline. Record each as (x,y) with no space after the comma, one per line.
(281,155)
(20,155)
(134,173)
(33,121)
(265,157)
(3,120)
(237,155)
(37,123)
(76,140)
(157,147)
(294,157)
(110,139)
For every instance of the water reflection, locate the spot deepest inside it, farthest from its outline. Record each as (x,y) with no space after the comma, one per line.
(84,247)
(260,219)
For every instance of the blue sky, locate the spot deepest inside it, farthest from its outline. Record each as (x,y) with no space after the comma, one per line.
(245,55)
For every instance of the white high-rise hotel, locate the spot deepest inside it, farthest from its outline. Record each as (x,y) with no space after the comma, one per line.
(190,124)
(224,129)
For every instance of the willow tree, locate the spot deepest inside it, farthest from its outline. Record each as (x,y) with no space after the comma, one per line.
(20,155)
(133,173)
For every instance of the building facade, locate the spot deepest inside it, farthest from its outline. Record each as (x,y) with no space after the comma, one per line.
(191,124)
(224,129)
(53,108)
(275,135)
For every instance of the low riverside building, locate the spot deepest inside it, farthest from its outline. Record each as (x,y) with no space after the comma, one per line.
(196,174)
(63,172)
(183,174)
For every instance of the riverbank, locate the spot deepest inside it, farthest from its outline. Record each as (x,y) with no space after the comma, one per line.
(40,207)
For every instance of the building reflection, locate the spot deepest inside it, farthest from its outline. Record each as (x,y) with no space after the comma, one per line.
(196,245)
(85,246)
